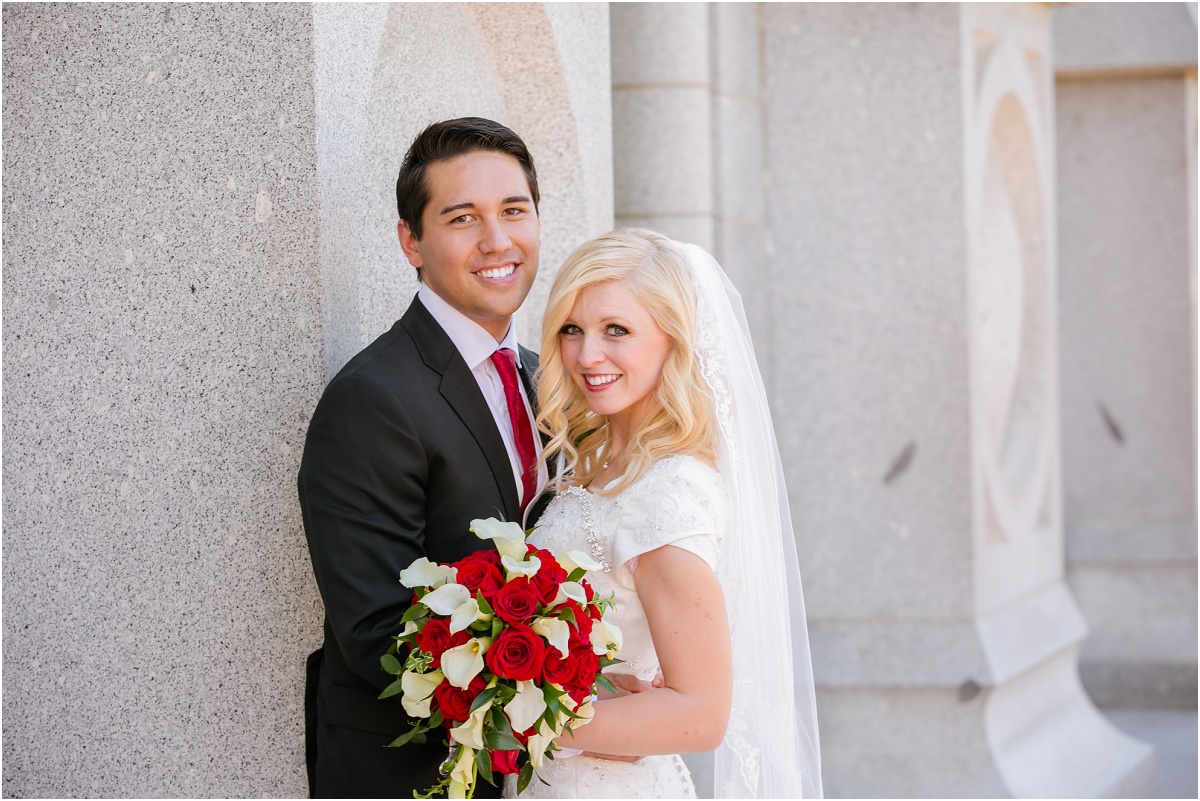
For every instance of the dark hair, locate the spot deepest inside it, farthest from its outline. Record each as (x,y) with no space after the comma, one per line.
(446,140)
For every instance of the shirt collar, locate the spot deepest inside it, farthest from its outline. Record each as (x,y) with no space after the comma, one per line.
(474,344)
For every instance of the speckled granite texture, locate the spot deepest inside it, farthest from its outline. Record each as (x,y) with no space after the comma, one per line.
(162,349)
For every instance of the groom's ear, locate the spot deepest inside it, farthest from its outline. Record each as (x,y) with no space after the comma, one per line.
(408,243)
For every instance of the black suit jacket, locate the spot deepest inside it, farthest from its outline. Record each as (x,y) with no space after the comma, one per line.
(401,454)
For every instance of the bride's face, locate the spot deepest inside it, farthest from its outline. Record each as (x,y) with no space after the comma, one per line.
(615,352)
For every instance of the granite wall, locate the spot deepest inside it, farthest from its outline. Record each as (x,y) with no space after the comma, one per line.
(162,332)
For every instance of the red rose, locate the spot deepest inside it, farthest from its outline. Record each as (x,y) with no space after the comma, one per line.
(558,670)
(435,637)
(516,654)
(578,694)
(489,555)
(479,574)
(516,602)
(586,666)
(455,704)
(581,629)
(549,577)
(505,761)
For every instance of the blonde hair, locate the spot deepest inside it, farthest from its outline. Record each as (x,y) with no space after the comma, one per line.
(682,422)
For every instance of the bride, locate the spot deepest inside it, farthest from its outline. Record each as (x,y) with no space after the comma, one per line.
(650,393)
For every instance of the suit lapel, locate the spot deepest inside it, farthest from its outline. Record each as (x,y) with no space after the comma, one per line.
(461,391)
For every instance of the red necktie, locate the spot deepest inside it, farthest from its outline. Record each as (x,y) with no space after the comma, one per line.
(506,364)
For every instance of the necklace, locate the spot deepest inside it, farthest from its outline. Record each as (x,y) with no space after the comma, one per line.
(609,457)
(589,527)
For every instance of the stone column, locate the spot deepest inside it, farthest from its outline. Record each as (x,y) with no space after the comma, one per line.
(687,135)
(162,350)
(1126,173)
(911,218)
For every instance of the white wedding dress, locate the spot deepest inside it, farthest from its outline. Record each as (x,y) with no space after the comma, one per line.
(680,501)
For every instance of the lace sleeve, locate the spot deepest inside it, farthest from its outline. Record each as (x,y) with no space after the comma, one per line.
(680,501)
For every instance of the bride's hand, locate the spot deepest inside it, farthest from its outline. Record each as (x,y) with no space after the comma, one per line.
(627,685)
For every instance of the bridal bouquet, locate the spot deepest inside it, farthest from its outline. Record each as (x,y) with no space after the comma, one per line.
(502,649)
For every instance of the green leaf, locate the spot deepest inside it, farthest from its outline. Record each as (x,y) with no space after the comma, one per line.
(434,790)
(391,690)
(549,691)
(577,574)
(604,682)
(497,625)
(404,738)
(415,612)
(499,720)
(484,697)
(499,741)
(483,761)
(566,613)
(609,662)
(418,661)
(392,648)
(484,606)
(523,778)
(548,717)
(391,665)
(501,737)
(435,719)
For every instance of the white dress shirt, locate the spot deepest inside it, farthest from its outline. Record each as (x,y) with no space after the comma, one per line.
(476,346)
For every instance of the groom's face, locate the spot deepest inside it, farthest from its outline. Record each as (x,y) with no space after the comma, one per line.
(481,234)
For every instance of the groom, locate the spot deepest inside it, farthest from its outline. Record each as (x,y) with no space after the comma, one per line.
(427,428)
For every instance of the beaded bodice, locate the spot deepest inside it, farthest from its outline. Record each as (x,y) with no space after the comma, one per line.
(679,501)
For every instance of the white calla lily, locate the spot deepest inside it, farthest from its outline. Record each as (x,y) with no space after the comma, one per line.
(556,632)
(573,559)
(586,712)
(423,573)
(465,615)
(606,638)
(446,598)
(409,628)
(519,567)
(508,538)
(462,776)
(470,732)
(463,663)
(538,744)
(526,707)
(570,590)
(417,691)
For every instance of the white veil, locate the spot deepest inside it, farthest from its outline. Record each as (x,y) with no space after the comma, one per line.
(771,748)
